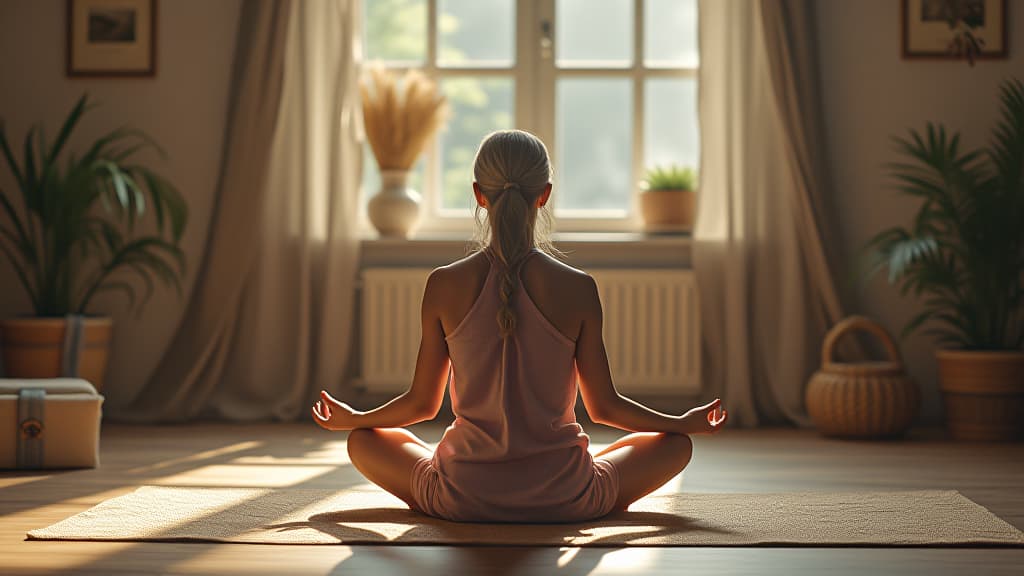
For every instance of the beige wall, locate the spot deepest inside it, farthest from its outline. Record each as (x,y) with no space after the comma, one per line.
(869,94)
(183,108)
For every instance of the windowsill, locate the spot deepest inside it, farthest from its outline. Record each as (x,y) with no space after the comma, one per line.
(582,249)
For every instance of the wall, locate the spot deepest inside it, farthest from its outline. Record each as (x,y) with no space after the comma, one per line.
(869,94)
(183,107)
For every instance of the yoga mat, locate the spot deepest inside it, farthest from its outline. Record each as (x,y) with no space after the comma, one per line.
(282,516)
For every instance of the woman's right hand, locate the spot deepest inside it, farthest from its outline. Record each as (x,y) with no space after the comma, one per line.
(331,414)
(706,419)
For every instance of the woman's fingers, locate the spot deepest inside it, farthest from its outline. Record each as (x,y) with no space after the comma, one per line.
(328,399)
(318,417)
(711,406)
(717,417)
(722,418)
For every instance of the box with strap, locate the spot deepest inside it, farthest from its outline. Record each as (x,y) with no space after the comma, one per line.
(49,423)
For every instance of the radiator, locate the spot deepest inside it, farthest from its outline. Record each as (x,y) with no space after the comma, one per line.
(651,329)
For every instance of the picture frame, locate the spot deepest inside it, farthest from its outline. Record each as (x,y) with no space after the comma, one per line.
(111,38)
(930,29)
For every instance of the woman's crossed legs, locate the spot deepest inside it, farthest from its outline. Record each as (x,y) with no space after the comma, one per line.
(644,460)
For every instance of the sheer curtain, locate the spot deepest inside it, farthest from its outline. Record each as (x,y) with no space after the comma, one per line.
(761,253)
(270,319)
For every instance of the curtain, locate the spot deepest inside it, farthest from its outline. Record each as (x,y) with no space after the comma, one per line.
(764,269)
(269,322)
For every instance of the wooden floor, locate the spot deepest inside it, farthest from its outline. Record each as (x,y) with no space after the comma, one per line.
(304,456)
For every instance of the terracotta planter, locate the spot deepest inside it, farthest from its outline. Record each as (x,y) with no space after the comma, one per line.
(983,393)
(34,348)
(668,210)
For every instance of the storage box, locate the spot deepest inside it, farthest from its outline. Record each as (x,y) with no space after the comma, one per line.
(49,423)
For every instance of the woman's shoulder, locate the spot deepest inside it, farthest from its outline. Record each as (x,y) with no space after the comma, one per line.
(458,272)
(552,274)
(470,264)
(557,269)
(543,267)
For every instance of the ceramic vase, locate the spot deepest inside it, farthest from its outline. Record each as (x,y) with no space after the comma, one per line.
(395,209)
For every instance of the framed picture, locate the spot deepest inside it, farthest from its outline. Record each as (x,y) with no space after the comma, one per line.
(954,29)
(111,38)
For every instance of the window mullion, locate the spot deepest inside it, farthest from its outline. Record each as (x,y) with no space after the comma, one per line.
(638,107)
(545,75)
(525,66)
(432,157)
(432,34)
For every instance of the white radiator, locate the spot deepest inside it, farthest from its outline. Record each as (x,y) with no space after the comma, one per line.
(651,328)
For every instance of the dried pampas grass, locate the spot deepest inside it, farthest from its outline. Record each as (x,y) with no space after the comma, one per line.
(400,117)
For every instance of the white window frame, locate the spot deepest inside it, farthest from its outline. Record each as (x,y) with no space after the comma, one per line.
(535,75)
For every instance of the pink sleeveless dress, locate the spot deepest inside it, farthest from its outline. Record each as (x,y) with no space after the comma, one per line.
(515,452)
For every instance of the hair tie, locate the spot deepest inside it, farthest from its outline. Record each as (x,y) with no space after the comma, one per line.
(511,185)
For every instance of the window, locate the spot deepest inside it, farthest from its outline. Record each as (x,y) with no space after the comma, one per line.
(609,85)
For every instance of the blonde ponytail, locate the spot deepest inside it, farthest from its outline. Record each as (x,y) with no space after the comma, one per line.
(512,170)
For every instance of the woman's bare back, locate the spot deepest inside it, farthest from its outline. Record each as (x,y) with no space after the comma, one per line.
(555,288)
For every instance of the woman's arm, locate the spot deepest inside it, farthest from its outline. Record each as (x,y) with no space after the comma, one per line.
(423,399)
(605,405)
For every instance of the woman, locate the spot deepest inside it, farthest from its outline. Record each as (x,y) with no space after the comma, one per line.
(518,329)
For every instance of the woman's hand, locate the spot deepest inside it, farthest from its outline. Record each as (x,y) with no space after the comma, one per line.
(706,419)
(331,414)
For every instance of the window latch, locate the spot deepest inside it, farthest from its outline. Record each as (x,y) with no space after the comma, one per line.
(546,40)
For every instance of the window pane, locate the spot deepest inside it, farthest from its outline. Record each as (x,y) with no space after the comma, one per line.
(396,30)
(595,141)
(594,33)
(476,33)
(671,130)
(670,33)
(479,105)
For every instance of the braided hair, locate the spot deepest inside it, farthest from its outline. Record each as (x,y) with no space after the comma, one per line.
(512,170)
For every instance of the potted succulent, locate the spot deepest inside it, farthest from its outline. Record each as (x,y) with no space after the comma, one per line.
(68,233)
(668,198)
(964,253)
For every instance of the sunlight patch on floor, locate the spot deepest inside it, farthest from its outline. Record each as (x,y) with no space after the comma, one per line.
(244,476)
(332,459)
(566,555)
(58,559)
(32,518)
(627,561)
(205,455)
(260,561)
(15,480)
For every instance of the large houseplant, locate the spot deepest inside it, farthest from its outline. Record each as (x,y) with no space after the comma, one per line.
(668,198)
(69,233)
(964,254)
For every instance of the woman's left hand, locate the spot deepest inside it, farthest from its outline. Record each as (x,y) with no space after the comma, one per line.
(332,414)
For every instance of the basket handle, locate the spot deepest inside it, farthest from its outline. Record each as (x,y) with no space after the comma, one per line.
(858,323)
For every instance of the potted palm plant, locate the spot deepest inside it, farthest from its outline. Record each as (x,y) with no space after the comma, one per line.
(964,254)
(68,233)
(668,198)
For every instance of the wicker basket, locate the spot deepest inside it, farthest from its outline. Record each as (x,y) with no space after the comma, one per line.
(863,399)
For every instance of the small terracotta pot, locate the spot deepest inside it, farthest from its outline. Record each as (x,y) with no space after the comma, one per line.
(983,393)
(668,210)
(34,348)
